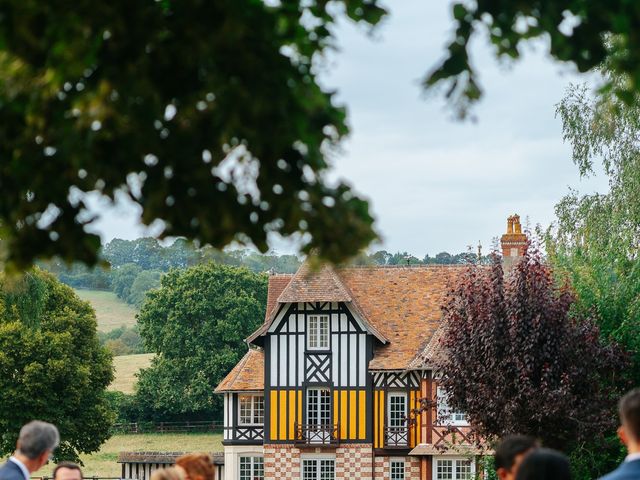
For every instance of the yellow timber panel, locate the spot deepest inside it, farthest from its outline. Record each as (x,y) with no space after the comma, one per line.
(418,426)
(282,433)
(292,413)
(381,419)
(299,407)
(273,413)
(343,414)
(336,409)
(362,416)
(375,419)
(353,415)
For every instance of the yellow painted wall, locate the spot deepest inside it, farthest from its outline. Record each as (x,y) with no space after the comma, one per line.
(379,407)
(349,412)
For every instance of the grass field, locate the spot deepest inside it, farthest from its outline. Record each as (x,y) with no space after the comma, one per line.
(111,312)
(126,368)
(103,463)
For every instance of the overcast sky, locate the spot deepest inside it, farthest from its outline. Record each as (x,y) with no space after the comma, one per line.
(434,183)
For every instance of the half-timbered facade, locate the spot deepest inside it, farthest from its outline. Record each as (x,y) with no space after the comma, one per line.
(335,381)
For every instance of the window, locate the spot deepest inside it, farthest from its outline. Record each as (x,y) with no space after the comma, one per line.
(397,433)
(319,415)
(453,469)
(318,469)
(251,409)
(251,468)
(318,334)
(396,469)
(446,415)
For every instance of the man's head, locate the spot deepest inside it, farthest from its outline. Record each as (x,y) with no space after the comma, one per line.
(510,452)
(36,442)
(67,471)
(629,431)
(196,466)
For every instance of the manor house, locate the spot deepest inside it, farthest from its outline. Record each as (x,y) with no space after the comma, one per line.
(333,382)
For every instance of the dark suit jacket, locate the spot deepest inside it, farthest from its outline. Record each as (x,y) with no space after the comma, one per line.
(626,471)
(11,471)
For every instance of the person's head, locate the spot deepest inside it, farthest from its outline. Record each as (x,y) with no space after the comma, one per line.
(544,464)
(67,471)
(170,473)
(196,466)
(510,452)
(36,443)
(629,431)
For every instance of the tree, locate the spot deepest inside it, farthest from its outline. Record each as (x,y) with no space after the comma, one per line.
(517,361)
(582,33)
(196,323)
(51,364)
(145,281)
(123,278)
(208,115)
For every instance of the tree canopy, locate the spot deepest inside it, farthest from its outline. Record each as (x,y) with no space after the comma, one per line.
(514,358)
(206,114)
(197,322)
(51,364)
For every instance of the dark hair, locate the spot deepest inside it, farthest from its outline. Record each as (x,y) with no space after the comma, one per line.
(544,464)
(69,465)
(510,447)
(629,408)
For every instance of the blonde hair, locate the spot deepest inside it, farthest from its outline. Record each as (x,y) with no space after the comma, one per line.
(170,473)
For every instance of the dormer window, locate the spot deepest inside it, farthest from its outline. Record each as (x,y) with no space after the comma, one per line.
(445,414)
(251,410)
(318,332)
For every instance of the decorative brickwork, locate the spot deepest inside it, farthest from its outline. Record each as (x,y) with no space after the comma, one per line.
(412,467)
(353,461)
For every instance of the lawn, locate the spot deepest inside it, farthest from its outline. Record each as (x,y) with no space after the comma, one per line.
(126,368)
(111,312)
(103,463)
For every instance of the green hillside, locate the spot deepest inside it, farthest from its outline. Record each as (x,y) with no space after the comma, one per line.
(111,312)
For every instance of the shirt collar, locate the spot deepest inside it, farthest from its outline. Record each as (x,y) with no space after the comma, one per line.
(632,456)
(22,466)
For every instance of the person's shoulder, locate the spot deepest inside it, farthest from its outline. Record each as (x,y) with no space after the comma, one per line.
(626,471)
(10,471)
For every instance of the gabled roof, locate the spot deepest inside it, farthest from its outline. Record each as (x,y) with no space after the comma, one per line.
(277,283)
(400,305)
(246,376)
(404,303)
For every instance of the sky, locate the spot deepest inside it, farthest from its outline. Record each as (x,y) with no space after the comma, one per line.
(434,183)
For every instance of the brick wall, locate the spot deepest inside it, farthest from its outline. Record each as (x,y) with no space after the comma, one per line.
(411,465)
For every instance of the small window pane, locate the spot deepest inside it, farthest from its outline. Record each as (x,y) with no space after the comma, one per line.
(258,410)
(444,469)
(397,470)
(245,409)
(463,469)
(318,469)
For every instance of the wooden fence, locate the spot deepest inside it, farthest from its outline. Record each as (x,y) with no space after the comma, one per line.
(168,427)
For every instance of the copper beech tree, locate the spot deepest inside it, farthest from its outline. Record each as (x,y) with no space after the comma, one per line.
(517,360)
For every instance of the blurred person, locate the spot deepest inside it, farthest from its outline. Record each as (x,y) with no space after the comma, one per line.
(509,454)
(196,466)
(67,471)
(544,464)
(170,473)
(36,443)
(629,433)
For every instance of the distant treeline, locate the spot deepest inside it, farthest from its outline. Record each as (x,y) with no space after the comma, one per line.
(134,267)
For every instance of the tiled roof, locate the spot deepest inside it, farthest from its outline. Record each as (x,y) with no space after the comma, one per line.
(166,458)
(400,305)
(277,283)
(247,375)
(309,285)
(404,303)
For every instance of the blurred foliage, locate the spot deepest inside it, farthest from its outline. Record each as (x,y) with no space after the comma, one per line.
(208,115)
(122,341)
(196,322)
(51,364)
(585,34)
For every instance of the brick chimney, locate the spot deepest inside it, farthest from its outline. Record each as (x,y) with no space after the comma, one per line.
(514,242)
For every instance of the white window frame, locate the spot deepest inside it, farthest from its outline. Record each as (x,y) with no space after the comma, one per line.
(445,415)
(252,466)
(404,397)
(316,458)
(397,460)
(254,420)
(315,335)
(454,467)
